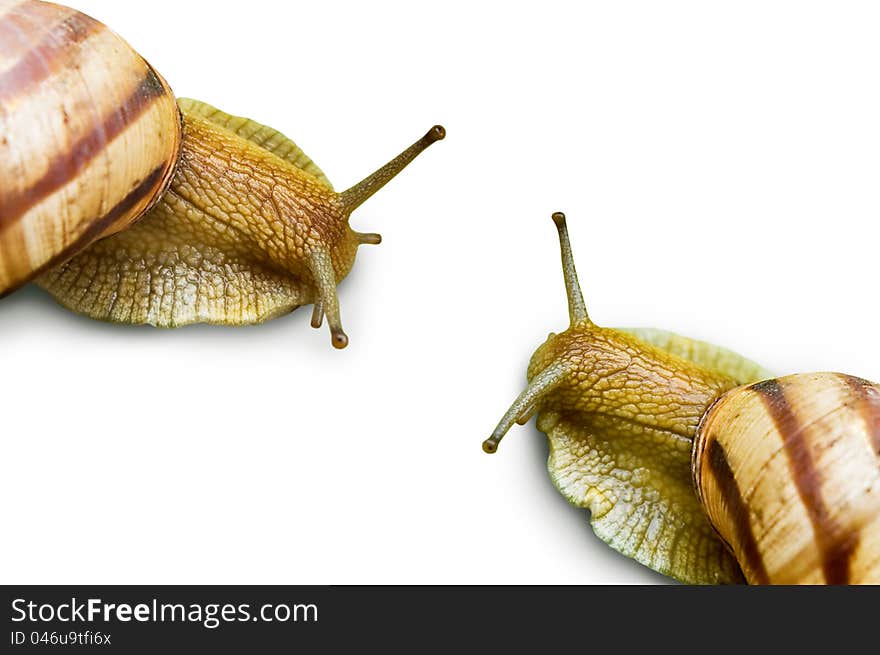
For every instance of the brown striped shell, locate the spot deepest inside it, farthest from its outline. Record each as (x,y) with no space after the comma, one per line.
(89,136)
(788,471)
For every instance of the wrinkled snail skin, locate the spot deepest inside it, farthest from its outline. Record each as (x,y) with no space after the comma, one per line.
(242,226)
(697,462)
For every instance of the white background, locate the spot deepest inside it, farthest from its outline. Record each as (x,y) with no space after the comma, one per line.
(720,167)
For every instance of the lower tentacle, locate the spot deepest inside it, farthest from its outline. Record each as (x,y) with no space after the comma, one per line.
(325,281)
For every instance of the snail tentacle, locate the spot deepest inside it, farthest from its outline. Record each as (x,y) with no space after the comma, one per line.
(540,385)
(317,314)
(577,309)
(325,282)
(352,198)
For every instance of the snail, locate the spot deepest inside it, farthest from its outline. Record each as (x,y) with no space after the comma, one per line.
(130,206)
(700,464)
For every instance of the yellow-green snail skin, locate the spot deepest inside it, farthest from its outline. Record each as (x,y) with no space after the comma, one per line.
(699,463)
(130,206)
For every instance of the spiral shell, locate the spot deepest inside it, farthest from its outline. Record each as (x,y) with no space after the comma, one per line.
(89,136)
(788,471)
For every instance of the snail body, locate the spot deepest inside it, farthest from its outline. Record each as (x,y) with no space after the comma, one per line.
(698,462)
(129,206)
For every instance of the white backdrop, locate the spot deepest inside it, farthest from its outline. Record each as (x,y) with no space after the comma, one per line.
(720,167)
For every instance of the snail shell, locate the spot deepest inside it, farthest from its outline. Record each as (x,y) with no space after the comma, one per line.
(89,136)
(789,475)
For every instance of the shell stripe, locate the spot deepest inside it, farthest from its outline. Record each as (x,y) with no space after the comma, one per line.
(869,407)
(836,547)
(739,512)
(149,186)
(47,57)
(23,17)
(65,167)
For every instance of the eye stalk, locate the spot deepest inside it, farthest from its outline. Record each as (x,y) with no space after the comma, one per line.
(577,310)
(354,197)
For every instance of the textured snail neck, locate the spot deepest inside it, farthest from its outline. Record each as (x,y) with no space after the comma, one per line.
(614,379)
(627,385)
(256,201)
